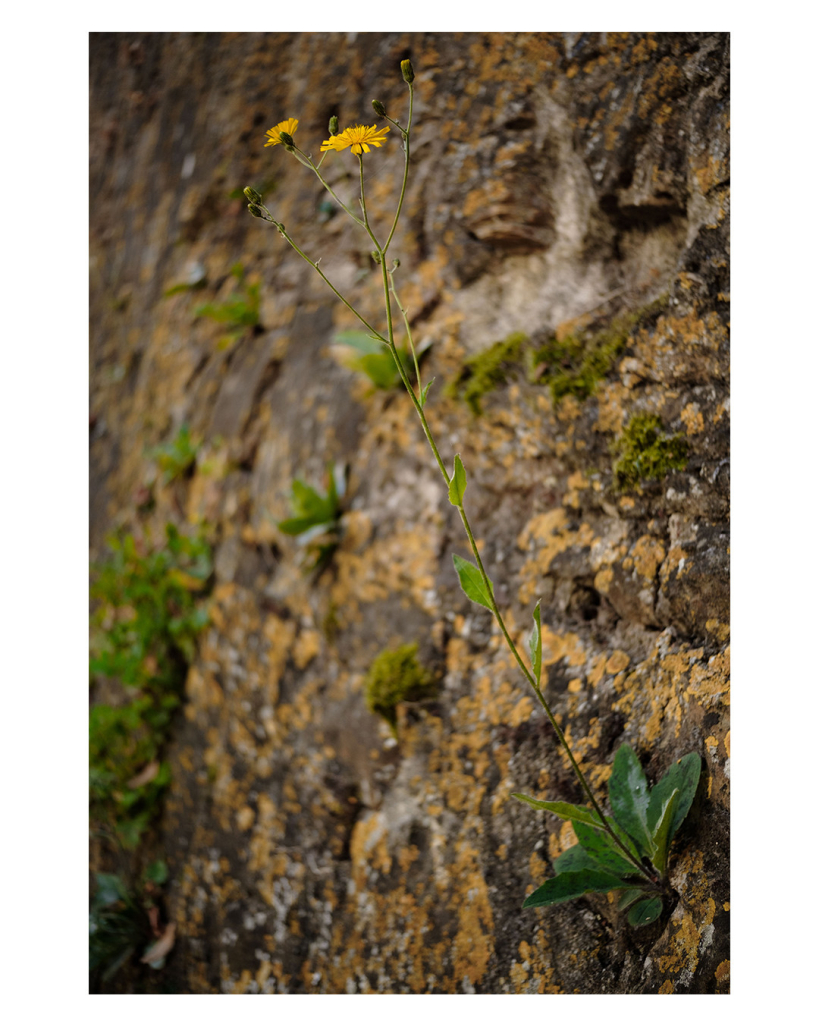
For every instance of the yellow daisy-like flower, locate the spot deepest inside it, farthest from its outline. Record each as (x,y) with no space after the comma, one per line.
(289,126)
(359,137)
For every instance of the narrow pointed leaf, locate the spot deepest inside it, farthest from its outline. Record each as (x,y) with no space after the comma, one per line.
(472,582)
(662,832)
(568,812)
(603,849)
(645,912)
(684,776)
(457,485)
(569,886)
(359,340)
(536,644)
(628,795)
(423,398)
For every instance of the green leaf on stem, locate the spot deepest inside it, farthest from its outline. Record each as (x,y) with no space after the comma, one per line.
(568,812)
(602,848)
(536,644)
(628,795)
(628,897)
(575,859)
(423,398)
(457,485)
(569,885)
(662,833)
(645,912)
(472,582)
(684,776)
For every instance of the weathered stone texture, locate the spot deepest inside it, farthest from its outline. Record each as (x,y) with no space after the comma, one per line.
(557,181)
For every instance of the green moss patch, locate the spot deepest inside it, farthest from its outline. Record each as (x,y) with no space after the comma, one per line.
(574,365)
(646,452)
(486,371)
(396,676)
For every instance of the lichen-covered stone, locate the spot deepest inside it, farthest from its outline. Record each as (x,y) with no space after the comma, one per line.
(560,183)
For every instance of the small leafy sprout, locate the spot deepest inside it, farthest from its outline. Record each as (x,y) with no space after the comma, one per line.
(239,312)
(124,920)
(177,458)
(372,358)
(647,452)
(396,676)
(316,519)
(644,820)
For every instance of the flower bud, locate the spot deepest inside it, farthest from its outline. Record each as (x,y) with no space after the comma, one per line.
(379,108)
(396,263)
(252,195)
(376,256)
(255,210)
(287,140)
(333,125)
(407,72)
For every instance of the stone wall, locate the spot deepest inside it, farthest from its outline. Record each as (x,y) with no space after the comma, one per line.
(560,184)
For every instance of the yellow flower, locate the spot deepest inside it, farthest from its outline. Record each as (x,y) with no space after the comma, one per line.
(289,126)
(359,137)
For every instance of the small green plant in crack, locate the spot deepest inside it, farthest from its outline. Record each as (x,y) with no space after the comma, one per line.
(123,920)
(646,452)
(643,819)
(316,519)
(396,676)
(149,613)
(177,458)
(239,312)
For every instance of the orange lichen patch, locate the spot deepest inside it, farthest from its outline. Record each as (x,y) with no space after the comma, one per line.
(598,668)
(692,418)
(719,629)
(648,554)
(723,972)
(547,534)
(575,685)
(667,988)
(618,661)
(603,579)
(306,647)
(727,744)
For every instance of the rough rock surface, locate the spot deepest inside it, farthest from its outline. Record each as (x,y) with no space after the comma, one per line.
(557,181)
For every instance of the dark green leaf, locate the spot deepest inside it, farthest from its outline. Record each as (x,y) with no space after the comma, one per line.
(575,859)
(684,776)
(423,398)
(536,644)
(628,795)
(662,833)
(157,872)
(568,812)
(457,485)
(569,885)
(292,527)
(645,912)
(628,897)
(472,582)
(110,888)
(603,849)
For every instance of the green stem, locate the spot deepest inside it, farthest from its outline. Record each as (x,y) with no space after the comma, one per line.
(406,138)
(409,332)
(307,161)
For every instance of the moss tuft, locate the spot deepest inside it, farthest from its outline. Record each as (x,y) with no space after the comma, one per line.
(575,364)
(646,453)
(486,371)
(396,676)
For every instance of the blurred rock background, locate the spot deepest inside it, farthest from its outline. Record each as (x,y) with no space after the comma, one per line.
(572,189)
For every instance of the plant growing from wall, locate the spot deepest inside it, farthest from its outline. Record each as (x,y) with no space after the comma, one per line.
(396,676)
(316,519)
(149,613)
(628,850)
(239,312)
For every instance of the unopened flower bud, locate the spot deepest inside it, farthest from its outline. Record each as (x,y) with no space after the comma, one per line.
(333,125)
(252,195)
(396,263)
(376,256)
(379,108)
(407,72)
(255,210)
